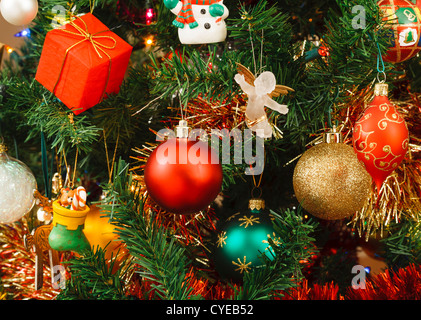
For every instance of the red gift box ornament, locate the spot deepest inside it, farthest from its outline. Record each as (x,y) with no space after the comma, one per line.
(83,62)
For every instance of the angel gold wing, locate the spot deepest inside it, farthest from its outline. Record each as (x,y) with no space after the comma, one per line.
(250,78)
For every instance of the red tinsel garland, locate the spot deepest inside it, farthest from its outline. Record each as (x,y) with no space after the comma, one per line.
(328,291)
(403,284)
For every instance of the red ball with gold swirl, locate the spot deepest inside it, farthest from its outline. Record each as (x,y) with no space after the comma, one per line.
(380,137)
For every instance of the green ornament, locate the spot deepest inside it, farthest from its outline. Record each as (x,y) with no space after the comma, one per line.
(241,241)
(62,239)
(67,232)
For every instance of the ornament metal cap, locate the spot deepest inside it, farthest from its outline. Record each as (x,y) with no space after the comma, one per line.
(381,89)
(256,204)
(333,136)
(182,130)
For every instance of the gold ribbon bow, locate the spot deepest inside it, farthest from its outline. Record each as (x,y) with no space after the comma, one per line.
(93,39)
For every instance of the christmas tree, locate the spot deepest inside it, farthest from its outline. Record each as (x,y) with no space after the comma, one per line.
(210,150)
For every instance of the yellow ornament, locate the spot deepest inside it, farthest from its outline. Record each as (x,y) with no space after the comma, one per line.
(100,232)
(329,181)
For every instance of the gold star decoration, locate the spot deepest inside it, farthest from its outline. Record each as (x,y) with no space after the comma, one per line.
(249,220)
(242,266)
(221,239)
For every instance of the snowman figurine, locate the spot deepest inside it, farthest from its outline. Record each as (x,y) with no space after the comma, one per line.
(199,21)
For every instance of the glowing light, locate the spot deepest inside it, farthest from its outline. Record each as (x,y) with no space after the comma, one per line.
(23,33)
(149,13)
(9,49)
(149,40)
(149,16)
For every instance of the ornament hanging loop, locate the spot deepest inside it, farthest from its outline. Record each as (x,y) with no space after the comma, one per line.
(383,74)
(256,188)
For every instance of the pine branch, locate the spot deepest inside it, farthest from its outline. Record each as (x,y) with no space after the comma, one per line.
(264,36)
(192,76)
(291,245)
(402,246)
(43,112)
(119,116)
(161,258)
(93,277)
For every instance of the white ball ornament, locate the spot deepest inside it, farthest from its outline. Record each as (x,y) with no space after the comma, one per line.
(17,185)
(19,12)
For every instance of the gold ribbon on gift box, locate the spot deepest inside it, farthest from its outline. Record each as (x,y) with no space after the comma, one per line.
(92,39)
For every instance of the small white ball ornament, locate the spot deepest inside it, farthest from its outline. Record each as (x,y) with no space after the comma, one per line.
(17,185)
(19,12)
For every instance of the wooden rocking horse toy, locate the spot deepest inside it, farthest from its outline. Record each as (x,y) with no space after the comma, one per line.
(37,241)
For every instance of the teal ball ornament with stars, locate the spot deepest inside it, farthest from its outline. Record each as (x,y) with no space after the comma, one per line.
(241,241)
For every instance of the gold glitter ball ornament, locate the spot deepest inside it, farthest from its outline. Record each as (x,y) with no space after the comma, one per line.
(329,181)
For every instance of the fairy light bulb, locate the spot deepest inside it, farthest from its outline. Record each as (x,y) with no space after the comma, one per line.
(23,33)
(149,41)
(149,16)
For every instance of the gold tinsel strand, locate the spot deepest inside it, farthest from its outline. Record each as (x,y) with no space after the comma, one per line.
(17,266)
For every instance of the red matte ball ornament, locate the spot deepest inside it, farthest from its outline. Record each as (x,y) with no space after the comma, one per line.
(183,176)
(380,137)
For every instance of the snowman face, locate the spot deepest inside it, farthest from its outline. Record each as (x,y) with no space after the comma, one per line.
(202,14)
(210,29)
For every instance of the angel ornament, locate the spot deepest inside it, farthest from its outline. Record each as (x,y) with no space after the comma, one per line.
(260,92)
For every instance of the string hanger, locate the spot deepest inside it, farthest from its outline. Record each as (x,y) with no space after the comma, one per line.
(184,92)
(110,169)
(256,185)
(70,181)
(380,66)
(261,53)
(91,6)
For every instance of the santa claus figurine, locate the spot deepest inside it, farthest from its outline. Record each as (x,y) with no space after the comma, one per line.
(199,21)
